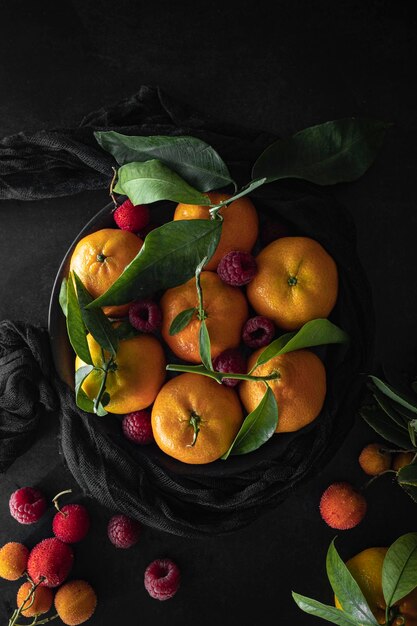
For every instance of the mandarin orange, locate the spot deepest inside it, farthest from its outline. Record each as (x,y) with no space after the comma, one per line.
(240,224)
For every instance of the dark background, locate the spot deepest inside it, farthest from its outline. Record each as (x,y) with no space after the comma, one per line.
(308,63)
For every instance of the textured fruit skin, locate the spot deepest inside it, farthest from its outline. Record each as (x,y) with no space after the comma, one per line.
(401,459)
(131,217)
(373,460)
(237,268)
(72,523)
(42,602)
(216,405)
(140,373)
(258,332)
(123,531)
(300,391)
(75,602)
(230,361)
(27,505)
(13,560)
(366,569)
(145,315)
(296,281)
(162,579)
(342,507)
(51,559)
(219,300)
(240,224)
(118,248)
(137,427)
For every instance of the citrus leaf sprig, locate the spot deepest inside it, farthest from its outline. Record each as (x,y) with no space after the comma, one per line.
(399,578)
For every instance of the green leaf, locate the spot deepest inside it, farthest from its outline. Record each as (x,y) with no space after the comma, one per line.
(257,427)
(96,322)
(412,431)
(328,613)
(347,590)
(196,369)
(181,321)
(191,158)
(391,393)
(325,154)
(389,407)
(399,571)
(167,258)
(63,297)
(81,398)
(205,346)
(124,330)
(314,333)
(407,479)
(76,329)
(150,181)
(379,421)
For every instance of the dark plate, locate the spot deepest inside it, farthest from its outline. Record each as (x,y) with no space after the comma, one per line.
(63,357)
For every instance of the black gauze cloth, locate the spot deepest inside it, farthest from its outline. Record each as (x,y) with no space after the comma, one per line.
(140,481)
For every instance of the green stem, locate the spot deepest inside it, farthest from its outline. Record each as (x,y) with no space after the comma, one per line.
(107,366)
(373,479)
(219,376)
(195,423)
(200,309)
(30,597)
(37,622)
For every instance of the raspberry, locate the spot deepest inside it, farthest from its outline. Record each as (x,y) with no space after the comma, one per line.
(145,315)
(71,524)
(27,505)
(123,531)
(258,332)
(13,560)
(137,427)
(237,268)
(162,579)
(130,217)
(342,507)
(231,360)
(52,560)
(373,460)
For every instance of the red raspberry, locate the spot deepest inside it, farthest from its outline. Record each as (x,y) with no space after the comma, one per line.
(145,315)
(130,217)
(258,332)
(123,531)
(237,268)
(231,360)
(51,559)
(137,427)
(27,505)
(342,507)
(162,579)
(72,523)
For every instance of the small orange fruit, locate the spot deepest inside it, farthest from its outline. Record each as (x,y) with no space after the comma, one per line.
(139,374)
(226,310)
(99,259)
(374,459)
(401,459)
(194,419)
(300,389)
(41,602)
(75,602)
(240,224)
(366,569)
(13,560)
(297,281)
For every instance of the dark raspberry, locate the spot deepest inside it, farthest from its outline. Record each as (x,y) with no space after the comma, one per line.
(272,229)
(258,332)
(123,531)
(137,427)
(145,315)
(237,268)
(27,505)
(52,560)
(162,579)
(72,523)
(130,217)
(231,360)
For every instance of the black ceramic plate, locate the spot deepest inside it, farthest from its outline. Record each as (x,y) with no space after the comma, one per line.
(63,357)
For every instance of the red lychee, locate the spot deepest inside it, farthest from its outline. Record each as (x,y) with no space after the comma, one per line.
(52,560)
(342,507)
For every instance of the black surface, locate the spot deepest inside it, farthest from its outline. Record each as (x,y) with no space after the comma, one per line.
(308,64)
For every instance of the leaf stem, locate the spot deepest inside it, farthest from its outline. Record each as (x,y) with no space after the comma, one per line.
(107,366)
(219,376)
(111,194)
(55,500)
(29,598)
(373,479)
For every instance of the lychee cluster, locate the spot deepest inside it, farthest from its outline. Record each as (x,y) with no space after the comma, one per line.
(48,564)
